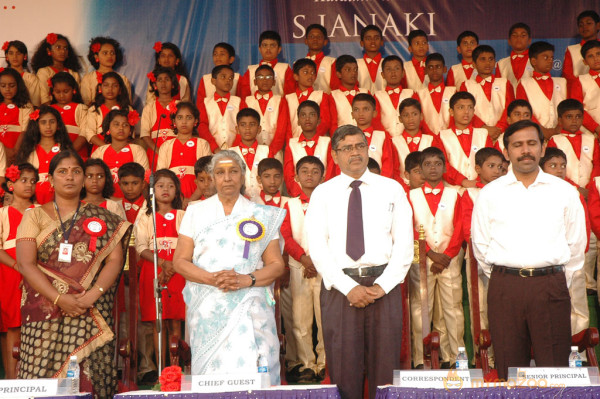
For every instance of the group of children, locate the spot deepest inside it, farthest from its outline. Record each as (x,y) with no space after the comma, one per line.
(440,138)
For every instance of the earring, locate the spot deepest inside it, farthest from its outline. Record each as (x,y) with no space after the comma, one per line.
(108,132)
(100,90)
(11,189)
(74,91)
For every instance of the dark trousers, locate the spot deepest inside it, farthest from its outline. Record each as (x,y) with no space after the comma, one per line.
(359,339)
(528,313)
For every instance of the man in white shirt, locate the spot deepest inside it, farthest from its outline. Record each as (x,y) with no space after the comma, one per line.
(528,233)
(364,263)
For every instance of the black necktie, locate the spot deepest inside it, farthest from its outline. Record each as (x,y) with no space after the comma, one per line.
(355,240)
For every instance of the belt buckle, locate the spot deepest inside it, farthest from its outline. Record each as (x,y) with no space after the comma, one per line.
(529,272)
(360,271)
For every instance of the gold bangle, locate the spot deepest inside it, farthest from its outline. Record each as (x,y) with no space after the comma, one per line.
(56,299)
(100,289)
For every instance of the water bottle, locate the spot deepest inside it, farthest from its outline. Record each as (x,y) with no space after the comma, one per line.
(73,374)
(462,361)
(263,370)
(574,358)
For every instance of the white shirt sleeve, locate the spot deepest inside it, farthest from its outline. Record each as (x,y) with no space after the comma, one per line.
(576,235)
(480,232)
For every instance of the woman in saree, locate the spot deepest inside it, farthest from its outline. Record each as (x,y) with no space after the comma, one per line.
(71,255)
(228,251)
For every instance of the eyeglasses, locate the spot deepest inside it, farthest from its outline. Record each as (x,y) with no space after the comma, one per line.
(347,149)
(262,77)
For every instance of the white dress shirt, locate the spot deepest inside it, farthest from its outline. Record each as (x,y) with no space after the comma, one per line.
(538,226)
(387,226)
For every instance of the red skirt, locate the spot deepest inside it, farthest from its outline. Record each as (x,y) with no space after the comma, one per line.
(172,298)
(10,298)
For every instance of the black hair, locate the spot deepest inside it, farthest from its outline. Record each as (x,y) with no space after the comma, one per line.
(435,57)
(247,112)
(570,104)
(101,40)
(131,169)
(269,163)
(552,152)
(172,75)
(310,104)
(64,154)
(265,67)
(68,79)
(195,113)
(21,99)
(342,60)
(310,159)
(537,48)
(301,63)
(365,97)
(416,33)
(225,46)
(461,95)
(177,202)
(391,58)
(42,59)
(587,46)
(21,48)
(216,70)
(368,28)
(482,48)
(486,153)
(269,35)
(519,25)
(373,164)
(109,189)
(432,152)
(412,160)
(342,132)
(179,68)
(318,27)
(122,98)
(201,164)
(409,102)
(465,34)
(32,135)
(112,114)
(520,125)
(518,103)
(23,167)
(588,13)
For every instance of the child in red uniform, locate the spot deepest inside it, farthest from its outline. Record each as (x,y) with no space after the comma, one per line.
(67,100)
(586,88)
(414,70)
(15,53)
(305,72)
(269,46)
(156,126)
(516,111)
(436,96)
(45,136)
(492,94)
(14,110)
(466,42)
(20,182)
(390,97)
(217,114)
(270,178)
(180,155)
(205,187)
(369,69)
(223,54)
(316,40)
(588,25)
(132,185)
(272,108)
(412,171)
(54,54)
(110,94)
(168,55)
(541,90)
(98,188)
(117,151)
(347,72)
(517,65)
(105,55)
(309,142)
(168,218)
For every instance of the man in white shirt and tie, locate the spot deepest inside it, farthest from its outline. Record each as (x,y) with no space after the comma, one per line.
(360,237)
(529,236)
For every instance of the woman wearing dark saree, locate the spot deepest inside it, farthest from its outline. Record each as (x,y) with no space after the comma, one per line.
(71,255)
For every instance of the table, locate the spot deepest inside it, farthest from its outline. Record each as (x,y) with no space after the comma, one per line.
(281,392)
(489,393)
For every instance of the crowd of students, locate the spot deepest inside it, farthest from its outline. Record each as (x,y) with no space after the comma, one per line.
(434,129)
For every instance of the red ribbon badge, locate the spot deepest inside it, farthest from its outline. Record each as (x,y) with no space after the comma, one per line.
(95,227)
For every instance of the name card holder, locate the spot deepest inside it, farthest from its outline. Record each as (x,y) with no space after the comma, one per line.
(440,379)
(553,377)
(221,383)
(34,387)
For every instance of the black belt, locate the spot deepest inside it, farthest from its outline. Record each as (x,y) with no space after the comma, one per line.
(530,271)
(365,271)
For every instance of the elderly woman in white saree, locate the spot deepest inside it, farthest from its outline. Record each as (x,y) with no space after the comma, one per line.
(228,252)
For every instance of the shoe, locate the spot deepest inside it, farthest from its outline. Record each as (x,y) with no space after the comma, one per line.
(294,374)
(149,378)
(419,367)
(321,375)
(591,292)
(445,365)
(307,376)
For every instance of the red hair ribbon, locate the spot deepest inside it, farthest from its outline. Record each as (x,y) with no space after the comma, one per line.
(151,77)
(51,38)
(157,47)
(133,118)
(34,116)
(12,173)
(96,47)
(5,46)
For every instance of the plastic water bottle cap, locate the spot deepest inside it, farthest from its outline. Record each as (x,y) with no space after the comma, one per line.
(575,348)
(74,358)
(461,348)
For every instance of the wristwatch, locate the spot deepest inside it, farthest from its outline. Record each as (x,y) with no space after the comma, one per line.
(253,279)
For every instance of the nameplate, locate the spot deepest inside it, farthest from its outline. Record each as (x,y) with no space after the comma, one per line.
(553,377)
(225,382)
(439,379)
(28,388)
